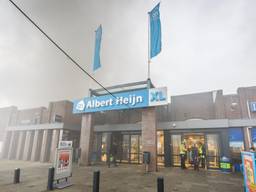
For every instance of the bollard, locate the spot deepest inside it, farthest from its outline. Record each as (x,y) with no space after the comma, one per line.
(16,178)
(96,181)
(160,184)
(50,179)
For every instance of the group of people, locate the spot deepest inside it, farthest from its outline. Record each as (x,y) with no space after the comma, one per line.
(196,154)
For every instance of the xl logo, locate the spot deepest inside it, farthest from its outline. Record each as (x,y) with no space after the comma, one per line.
(157,96)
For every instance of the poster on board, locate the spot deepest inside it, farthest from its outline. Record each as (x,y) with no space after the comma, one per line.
(248,159)
(63,162)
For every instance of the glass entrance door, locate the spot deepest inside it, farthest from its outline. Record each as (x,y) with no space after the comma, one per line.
(193,140)
(175,147)
(135,149)
(131,148)
(213,153)
(126,149)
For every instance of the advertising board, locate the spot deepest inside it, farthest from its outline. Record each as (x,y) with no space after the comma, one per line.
(248,159)
(63,161)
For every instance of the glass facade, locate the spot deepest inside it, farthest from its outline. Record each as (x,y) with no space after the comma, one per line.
(130,146)
(213,153)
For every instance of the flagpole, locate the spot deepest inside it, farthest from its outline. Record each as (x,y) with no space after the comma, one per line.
(149,46)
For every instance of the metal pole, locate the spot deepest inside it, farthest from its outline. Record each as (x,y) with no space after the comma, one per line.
(160,184)
(50,179)
(248,128)
(96,181)
(16,178)
(148,46)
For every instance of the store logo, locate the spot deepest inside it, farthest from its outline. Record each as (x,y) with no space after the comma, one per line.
(158,96)
(80,105)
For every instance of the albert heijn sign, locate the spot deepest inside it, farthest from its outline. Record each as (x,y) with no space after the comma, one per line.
(124,100)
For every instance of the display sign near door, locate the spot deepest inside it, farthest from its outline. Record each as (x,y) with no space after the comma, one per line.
(124,100)
(249,169)
(63,160)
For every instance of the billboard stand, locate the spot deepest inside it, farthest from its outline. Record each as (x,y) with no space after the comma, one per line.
(63,165)
(249,171)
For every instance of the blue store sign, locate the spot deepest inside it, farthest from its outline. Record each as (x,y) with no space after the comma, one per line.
(125,100)
(253,106)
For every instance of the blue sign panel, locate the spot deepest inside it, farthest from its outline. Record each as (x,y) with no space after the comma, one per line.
(236,134)
(253,106)
(124,100)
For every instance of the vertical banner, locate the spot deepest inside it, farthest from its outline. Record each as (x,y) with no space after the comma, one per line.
(96,60)
(155,31)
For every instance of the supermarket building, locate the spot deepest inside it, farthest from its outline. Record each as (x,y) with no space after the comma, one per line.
(126,121)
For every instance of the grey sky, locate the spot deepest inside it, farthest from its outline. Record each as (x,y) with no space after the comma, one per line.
(207,45)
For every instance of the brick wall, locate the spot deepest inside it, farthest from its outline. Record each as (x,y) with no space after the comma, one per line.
(192,106)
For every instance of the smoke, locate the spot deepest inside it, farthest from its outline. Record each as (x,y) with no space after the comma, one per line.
(207,45)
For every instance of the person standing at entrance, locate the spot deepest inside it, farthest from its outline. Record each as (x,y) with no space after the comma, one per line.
(183,151)
(195,157)
(113,154)
(202,154)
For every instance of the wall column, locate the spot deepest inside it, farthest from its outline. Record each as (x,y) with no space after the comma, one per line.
(20,147)
(167,149)
(86,139)
(247,139)
(149,135)
(37,143)
(45,149)
(28,145)
(6,144)
(13,145)
(55,142)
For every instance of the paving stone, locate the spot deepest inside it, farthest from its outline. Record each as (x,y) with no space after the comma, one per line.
(124,178)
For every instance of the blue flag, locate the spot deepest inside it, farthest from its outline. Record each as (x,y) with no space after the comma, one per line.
(155,31)
(96,61)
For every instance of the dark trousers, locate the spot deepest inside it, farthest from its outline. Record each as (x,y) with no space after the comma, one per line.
(203,162)
(196,164)
(182,161)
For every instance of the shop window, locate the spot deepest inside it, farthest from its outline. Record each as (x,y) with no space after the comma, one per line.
(236,142)
(57,118)
(104,147)
(160,148)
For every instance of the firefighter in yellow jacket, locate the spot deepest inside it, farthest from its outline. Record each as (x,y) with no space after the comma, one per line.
(183,154)
(202,154)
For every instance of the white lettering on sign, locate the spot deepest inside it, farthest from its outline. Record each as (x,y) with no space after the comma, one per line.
(131,100)
(95,103)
